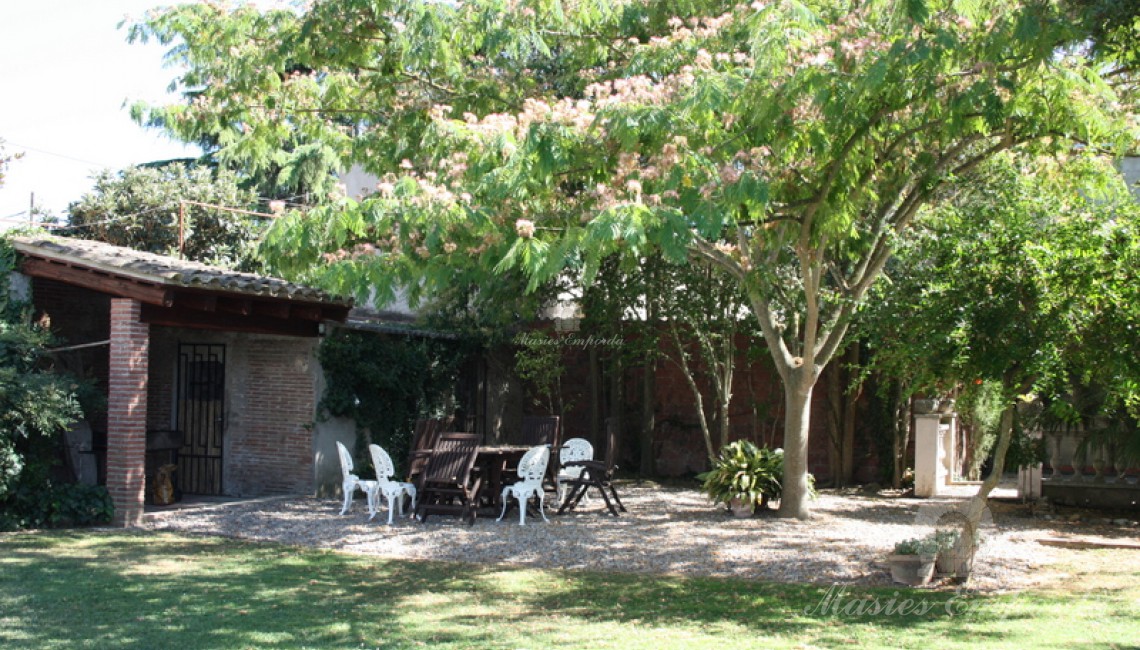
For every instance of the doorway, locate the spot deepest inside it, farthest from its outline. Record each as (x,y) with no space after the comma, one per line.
(200,416)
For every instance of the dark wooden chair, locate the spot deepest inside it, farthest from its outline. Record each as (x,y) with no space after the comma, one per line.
(423,439)
(597,474)
(542,430)
(449,484)
(537,431)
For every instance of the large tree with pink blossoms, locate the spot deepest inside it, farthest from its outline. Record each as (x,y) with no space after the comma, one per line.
(787,144)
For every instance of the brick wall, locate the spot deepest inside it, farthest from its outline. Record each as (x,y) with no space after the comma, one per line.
(126,411)
(269,440)
(756,411)
(270,400)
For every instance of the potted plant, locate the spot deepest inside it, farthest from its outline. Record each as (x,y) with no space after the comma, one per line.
(744,477)
(913,561)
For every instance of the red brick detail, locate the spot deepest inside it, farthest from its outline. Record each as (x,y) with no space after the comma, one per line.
(126,411)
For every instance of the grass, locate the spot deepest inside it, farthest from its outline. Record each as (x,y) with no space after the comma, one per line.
(114,589)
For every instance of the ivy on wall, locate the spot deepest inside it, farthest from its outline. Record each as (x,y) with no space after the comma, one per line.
(385,382)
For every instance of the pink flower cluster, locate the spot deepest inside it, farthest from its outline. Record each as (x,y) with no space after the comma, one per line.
(524,228)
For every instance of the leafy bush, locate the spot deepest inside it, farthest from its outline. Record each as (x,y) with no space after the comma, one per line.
(918,546)
(745,471)
(40,504)
(36,406)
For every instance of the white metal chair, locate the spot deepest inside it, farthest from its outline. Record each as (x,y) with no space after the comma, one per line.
(575,449)
(352,482)
(532,470)
(392,490)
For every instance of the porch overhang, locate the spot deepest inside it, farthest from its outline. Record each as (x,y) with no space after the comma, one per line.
(178,293)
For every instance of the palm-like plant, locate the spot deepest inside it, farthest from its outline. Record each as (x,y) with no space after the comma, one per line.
(746,472)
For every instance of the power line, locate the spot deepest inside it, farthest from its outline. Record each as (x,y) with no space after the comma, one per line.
(15,145)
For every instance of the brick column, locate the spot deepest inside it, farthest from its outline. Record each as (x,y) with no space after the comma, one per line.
(126,411)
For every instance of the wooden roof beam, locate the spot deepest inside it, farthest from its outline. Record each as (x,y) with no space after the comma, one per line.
(151,294)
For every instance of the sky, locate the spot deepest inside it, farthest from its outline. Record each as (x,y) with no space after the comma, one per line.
(67,79)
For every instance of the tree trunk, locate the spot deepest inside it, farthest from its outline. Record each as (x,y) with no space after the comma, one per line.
(797,418)
(648,401)
(900,439)
(596,416)
(977,506)
(724,392)
(617,414)
(850,417)
(835,414)
(687,372)
(650,333)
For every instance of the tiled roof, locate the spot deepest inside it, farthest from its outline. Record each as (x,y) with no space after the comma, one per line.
(160,269)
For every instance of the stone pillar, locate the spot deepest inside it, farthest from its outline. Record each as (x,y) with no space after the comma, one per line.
(1029,482)
(126,411)
(929,471)
(949,442)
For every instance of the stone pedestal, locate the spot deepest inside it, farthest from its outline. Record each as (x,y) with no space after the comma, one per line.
(948,439)
(931,466)
(1029,482)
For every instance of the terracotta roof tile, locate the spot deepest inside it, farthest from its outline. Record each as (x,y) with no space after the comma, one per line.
(160,269)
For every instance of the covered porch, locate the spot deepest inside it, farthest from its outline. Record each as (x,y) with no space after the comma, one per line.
(218,366)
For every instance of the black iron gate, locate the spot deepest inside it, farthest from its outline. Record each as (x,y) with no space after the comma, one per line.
(200,413)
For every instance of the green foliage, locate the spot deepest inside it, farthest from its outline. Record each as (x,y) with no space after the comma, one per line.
(1022,279)
(929,545)
(36,406)
(1026,450)
(538,361)
(45,503)
(981,405)
(787,143)
(940,541)
(139,207)
(746,472)
(385,382)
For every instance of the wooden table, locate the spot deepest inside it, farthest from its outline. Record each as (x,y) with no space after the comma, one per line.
(493,461)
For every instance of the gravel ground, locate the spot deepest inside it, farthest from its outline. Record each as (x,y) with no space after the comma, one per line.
(667,530)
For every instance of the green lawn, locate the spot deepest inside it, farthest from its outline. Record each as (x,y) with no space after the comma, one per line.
(84,589)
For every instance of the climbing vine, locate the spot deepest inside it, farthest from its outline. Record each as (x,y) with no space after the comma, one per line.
(385,382)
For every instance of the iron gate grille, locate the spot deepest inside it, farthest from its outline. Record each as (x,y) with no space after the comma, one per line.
(200,414)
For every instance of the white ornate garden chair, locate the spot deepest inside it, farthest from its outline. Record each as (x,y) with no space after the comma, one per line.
(393,491)
(532,469)
(574,449)
(352,482)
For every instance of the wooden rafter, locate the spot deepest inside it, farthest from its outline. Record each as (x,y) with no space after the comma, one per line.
(146,293)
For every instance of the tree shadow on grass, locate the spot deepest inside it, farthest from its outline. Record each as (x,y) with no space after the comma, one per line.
(131,590)
(134,591)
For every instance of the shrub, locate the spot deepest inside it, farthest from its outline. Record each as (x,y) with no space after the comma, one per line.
(745,471)
(37,405)
(918,546)
(38,504)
